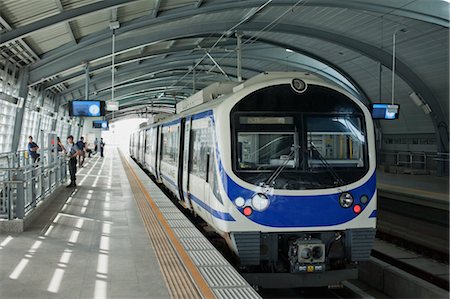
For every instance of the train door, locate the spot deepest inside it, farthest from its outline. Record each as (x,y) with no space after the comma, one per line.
(142,147)
(185,164)
(158,154)
(181,159)
(199,171)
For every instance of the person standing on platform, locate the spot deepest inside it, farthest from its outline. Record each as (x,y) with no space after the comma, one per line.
(81,146)
(32,149)
(102,147)
(72,152)
(60,147)
(96,145)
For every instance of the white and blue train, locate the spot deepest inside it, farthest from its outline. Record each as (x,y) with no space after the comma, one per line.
(282,166)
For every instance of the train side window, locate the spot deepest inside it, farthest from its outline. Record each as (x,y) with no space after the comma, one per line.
(148,140)
(199,148)
(170,144)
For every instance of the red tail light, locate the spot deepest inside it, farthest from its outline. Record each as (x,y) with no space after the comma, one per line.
(248,211)
(357,209)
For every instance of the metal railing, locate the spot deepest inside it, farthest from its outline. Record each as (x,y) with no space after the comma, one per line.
(413,160)
(24,184)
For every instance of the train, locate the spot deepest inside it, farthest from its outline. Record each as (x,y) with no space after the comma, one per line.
(281,166)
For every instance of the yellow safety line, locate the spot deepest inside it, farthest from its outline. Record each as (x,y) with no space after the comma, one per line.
(166,233)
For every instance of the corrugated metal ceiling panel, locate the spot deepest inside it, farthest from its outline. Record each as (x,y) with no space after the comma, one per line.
(71,4)
(134,10)
(91,23)
(22,12)
(52,38)
(171,4)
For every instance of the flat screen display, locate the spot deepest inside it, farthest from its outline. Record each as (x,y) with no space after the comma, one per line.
(385,111)
(87,108)
(100,124)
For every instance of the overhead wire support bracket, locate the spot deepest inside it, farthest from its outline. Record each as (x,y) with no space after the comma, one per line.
(217,65)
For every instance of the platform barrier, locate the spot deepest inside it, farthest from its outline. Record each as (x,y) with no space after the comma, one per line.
(24,184)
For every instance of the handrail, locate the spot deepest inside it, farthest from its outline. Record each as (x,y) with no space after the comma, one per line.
(25,184)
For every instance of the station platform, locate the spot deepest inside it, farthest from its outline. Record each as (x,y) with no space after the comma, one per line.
(426,189)
(115,235)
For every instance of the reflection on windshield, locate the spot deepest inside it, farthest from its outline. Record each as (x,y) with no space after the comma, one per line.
(262,151)
(339,140)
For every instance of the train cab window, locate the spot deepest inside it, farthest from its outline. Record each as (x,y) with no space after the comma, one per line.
(338,141)
(170,139)
(258,151)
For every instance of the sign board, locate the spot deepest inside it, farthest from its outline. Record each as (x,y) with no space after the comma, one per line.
(112,106)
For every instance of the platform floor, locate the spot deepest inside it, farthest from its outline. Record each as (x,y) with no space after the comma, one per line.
(90,243)
(428,186)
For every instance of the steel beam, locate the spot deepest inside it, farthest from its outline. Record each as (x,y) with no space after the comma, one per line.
(22,42)
(199,3)
(156,8)
(18,122)
(373,52)
(215,7)
(124,61)
(67,24)
(62,17)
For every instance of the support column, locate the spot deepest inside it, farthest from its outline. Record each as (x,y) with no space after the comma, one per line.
(57,101)
(24,75)
(86,81)
(239,55)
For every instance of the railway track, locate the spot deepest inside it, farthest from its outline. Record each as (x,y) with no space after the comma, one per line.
(415,227)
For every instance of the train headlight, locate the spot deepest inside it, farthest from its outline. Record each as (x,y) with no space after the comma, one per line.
(346,200)
(240,202)
(260,202)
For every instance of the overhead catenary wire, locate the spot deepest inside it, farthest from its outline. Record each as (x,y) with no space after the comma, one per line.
(230,30)
(252,39)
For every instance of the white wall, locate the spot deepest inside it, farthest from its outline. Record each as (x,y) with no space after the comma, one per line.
(89,133)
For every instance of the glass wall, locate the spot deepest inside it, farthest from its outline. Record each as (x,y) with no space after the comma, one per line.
(7,118)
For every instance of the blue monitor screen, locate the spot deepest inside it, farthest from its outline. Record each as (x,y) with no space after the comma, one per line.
(385,111)
(100,124)
(87,108)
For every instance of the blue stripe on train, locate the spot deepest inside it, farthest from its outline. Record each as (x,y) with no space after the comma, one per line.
(218,214)
(300,211)
(213,212)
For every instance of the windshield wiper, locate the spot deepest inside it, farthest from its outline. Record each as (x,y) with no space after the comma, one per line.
(280,168)
(336,177)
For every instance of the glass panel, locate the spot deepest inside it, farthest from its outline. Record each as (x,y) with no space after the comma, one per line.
(258,151)
(200,147)
(170,145)
(337,141)
(7,119)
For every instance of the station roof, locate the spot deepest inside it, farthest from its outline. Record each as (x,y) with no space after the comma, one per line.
(159,41)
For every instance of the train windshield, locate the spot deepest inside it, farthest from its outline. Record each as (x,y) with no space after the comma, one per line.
(313,140)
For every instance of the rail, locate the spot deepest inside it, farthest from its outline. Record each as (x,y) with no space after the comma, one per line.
(23,184)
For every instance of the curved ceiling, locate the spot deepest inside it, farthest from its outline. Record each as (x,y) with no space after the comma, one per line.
(159,42)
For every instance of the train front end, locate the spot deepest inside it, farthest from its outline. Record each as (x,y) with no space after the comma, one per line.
(297,163)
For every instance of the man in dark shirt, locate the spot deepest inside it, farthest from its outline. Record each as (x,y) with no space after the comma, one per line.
(72,153)
(32,149)
(102,147)
(81,146)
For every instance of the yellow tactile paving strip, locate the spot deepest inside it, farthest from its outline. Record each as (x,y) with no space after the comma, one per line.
(181,275)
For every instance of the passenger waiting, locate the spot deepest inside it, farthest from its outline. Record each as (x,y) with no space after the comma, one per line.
(72,152)
(81,146)
(32,150)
